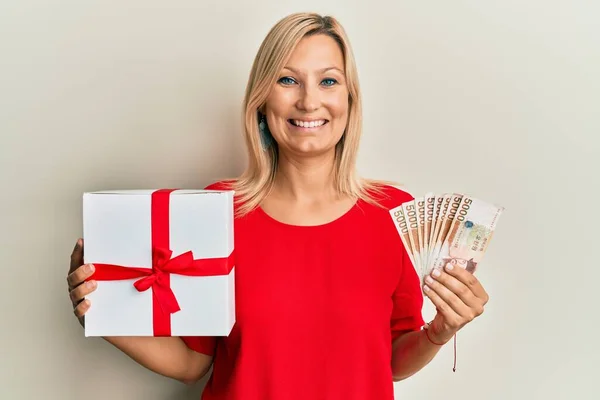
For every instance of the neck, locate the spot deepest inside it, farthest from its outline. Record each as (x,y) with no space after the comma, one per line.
(305,179)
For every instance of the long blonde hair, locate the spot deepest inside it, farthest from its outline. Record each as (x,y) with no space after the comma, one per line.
(256,181)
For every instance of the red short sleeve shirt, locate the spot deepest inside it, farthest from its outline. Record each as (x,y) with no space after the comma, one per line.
(317,308)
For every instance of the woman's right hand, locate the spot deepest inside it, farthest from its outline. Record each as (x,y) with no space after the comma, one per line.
(76,281)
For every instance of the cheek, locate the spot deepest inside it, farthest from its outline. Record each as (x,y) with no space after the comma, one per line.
(280,101)
(276,110)
(338,105)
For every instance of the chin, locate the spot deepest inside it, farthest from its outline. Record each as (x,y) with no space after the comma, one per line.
(310,148)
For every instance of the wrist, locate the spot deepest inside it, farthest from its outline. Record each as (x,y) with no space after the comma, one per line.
(436,336)
(438,339)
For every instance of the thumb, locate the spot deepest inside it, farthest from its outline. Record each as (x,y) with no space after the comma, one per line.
(77,256)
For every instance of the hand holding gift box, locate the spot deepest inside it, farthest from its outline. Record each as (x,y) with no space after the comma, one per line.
(163,262)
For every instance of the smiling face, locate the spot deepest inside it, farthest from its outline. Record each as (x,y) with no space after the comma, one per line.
(307,109)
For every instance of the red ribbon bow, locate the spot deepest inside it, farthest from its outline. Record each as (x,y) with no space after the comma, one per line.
(158,277)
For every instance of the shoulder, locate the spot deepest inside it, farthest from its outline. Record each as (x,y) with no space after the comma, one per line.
(220,185)
(224,185)
(389,196)
(228,185)
(376,212)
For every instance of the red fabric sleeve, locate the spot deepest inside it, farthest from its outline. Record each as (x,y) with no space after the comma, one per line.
(407,314)
(201,344)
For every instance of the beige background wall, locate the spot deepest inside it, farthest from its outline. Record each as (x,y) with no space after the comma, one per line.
(496,98)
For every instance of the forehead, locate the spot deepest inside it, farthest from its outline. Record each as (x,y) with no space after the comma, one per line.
(317,52)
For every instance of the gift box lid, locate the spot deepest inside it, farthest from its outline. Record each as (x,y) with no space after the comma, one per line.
(150,191)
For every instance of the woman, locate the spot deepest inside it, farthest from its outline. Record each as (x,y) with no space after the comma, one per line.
(328,303)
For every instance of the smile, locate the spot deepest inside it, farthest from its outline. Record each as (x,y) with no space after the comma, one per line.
(308,124)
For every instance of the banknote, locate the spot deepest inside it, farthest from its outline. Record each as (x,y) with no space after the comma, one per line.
(470,234)
(410,213)
(441,229)
(455,199)
(459,205)
(443,201)
(420,206)
(437,209)
(440,206)
(402,228)
(429,212)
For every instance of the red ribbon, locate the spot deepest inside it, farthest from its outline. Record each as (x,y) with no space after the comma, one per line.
(164,302)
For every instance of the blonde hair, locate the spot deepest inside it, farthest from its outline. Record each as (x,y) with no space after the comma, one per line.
(256,181)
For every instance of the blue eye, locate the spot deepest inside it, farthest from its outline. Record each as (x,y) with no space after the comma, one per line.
(286,80)
(330,81)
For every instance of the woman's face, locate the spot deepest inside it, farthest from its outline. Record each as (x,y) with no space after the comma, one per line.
(307,109)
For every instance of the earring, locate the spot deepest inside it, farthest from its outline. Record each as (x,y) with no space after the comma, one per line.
(266,138)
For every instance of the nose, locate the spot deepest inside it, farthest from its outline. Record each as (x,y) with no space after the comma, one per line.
(309,99)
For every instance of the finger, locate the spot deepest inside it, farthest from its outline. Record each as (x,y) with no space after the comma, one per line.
(449,298)
(76,277)
(82,290)
(76,256)
(442,307)
(82,308)
(464,293)
(454,268)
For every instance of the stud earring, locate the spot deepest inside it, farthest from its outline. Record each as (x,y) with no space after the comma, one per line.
(266,138)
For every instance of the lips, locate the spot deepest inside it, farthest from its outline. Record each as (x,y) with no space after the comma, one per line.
(308,124)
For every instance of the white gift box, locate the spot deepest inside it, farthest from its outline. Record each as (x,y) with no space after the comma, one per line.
(118,230)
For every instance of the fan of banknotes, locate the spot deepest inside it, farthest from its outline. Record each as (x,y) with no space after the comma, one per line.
(451,226)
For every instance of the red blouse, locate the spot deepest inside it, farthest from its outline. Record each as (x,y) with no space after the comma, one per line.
(317,308)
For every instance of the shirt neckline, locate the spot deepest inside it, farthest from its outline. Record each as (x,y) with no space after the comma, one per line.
(334,222)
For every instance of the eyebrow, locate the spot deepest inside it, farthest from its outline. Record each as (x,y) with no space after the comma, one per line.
(322,70)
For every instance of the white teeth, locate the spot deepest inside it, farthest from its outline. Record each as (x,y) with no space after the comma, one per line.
(307,124)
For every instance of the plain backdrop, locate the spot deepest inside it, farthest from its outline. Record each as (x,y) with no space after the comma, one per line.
(499,99)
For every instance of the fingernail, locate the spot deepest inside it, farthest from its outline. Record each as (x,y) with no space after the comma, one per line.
(436,272)
(429,280)
(89,268)
(91,284)
(426,288)
(449,266)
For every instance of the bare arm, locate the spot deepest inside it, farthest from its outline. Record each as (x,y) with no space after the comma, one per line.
(410,353)
(167,356)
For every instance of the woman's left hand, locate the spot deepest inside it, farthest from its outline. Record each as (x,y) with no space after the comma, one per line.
(458,297)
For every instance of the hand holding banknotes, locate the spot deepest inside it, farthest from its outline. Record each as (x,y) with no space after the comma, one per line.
(446,237)
(458,297)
